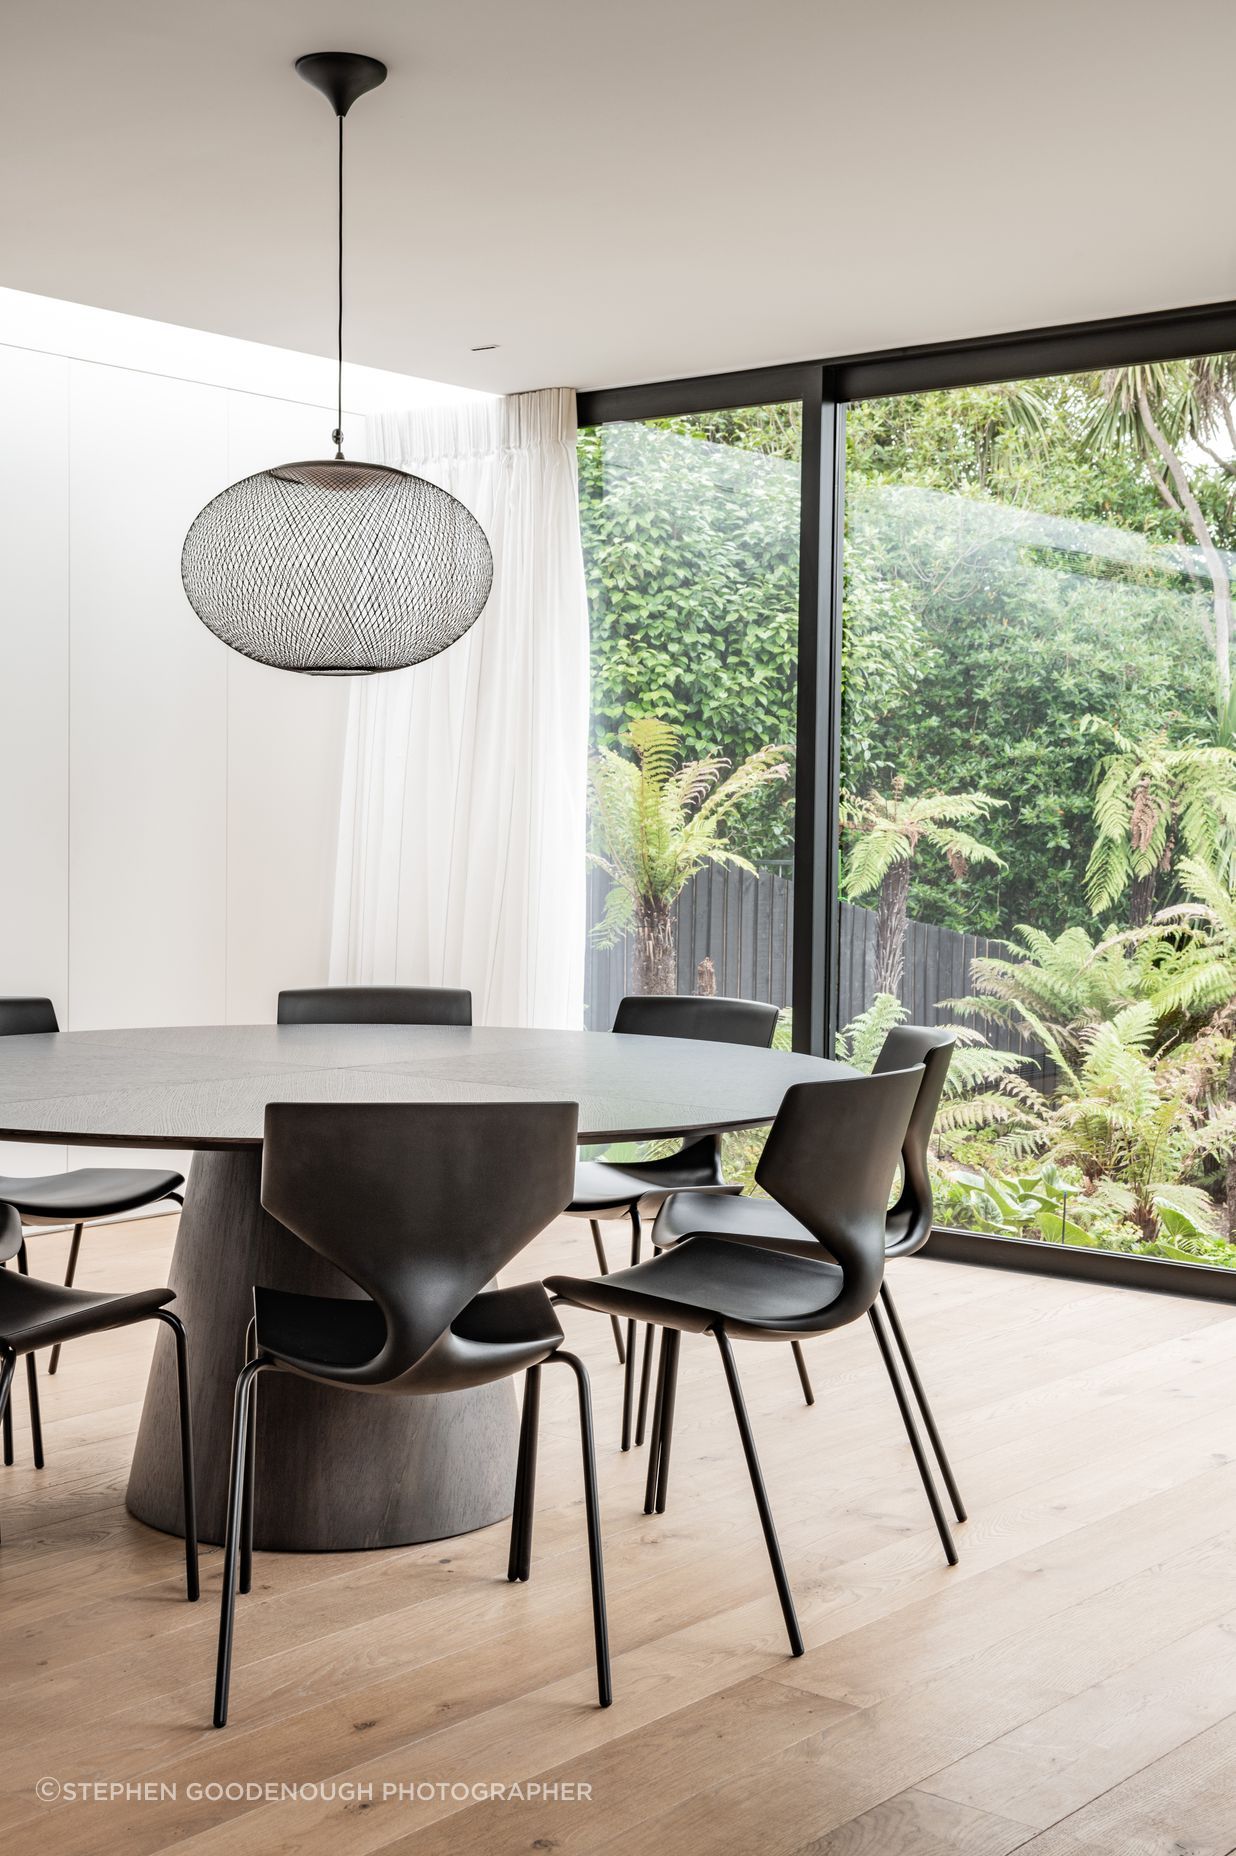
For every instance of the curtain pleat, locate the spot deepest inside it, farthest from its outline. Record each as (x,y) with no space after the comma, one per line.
(461,838)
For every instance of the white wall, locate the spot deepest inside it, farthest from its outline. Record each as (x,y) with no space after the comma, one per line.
(168,809)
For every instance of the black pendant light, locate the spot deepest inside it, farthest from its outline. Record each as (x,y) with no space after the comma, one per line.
(329,567)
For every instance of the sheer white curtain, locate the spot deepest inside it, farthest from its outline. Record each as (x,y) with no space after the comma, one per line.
(461,839)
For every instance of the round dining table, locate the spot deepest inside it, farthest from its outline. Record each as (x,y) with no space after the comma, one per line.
(339,1469)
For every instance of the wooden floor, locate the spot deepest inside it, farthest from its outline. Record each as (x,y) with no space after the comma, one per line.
(1068,1690)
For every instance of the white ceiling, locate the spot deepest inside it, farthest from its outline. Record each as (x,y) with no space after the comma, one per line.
(620,190)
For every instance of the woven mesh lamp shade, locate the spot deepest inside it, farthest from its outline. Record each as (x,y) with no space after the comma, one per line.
(336,569)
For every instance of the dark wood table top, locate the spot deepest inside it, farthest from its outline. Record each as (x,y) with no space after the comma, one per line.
(206,1086)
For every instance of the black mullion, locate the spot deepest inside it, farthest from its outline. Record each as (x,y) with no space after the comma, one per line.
(817,757)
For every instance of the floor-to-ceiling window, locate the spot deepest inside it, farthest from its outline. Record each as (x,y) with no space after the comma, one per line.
(1038,833)
(691,545)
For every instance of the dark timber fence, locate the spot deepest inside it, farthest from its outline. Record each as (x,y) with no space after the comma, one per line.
(743,924)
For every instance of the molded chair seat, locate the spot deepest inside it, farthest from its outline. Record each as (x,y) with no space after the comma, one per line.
(759,1223)
(613,1186)
(707,1281)
(35,1314)
(522,1316)
(87,1192)
(316,1333)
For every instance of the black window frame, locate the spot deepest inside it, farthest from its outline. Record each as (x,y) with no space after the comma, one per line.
(823,388)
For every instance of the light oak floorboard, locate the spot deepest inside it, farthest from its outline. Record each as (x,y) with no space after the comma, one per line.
(1068,1690)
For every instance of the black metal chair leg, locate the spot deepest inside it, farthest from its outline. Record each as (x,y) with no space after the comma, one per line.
(592,1505)
(916,1386)
(32,1384)
(7,1366)
(788,1612)
(36,1421)
(654,1440)
(645,1380)
(628,1377)
(249,1493)
(231,1550)
(598,1244)
(69,1275)
(673,1344)
(7,1404)
(907,1418)
(656,1488)
(519,1563)
(804,1377)
(188,1482)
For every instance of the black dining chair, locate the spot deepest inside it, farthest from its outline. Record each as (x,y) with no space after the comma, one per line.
(375,1005)
(36,1314)
(420,1206)
(606,1189)
(86,1193)
(830,1161)
(907,1225)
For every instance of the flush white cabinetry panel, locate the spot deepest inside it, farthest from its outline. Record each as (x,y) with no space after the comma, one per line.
(34,658)
(147,706)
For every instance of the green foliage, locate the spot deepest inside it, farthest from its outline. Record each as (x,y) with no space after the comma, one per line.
(658,819)
(1152,799)
(1129,1121)
(882,831)
(691,556)
(861,1040)
(1048,1203)
(1036,1203)
(1047,583)
(985,1090)
(885,654)
(1054,989)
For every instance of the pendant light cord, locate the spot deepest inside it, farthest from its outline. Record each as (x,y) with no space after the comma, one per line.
(337,434)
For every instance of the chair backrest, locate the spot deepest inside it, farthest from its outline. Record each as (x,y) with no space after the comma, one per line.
(420,1204)
(22,1017)
(375,1005)
(830,1160)
(909,1221)
(10,1233)
(686,1015)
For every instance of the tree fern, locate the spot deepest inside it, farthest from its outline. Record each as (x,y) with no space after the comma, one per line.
(656,820)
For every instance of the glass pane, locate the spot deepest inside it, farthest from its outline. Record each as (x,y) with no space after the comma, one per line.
(691,542)
(1039,828)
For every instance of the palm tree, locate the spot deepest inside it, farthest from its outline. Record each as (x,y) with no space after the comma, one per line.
(888,833)
(1148,796)
(1159,410)
(658,819)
